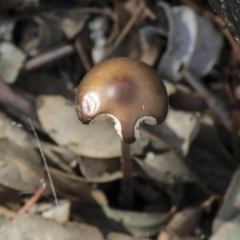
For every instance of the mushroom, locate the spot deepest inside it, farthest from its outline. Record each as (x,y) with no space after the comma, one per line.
(129,92)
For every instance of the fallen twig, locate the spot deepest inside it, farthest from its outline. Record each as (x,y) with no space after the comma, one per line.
(127,27)
(48,57)
(33,199)
(9,98)
(86,63)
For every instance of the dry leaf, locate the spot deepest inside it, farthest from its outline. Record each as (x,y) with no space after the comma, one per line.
(139,224)
(35,227)
(59,120)
(20,168)
(178,131)
(9,65)
(15,134)
(229,230)
(60,213)
(38,33)
(160,168)
(92,168)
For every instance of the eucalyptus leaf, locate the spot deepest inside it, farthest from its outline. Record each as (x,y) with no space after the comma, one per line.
(59,120)
(20,167)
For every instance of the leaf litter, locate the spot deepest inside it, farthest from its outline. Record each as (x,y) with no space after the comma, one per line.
(185,171)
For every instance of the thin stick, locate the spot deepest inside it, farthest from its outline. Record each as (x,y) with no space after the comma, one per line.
(127,27)
(82,54)
(126,191)
(14,100)
(47,169)
(48,57)
(45,162)
(33,199)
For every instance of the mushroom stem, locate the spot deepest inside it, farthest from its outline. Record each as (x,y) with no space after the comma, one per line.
(126,190)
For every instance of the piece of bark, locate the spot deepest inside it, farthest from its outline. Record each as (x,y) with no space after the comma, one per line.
(228,10)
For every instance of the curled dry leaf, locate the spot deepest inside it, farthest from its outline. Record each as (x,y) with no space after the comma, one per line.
(20,168)
(59,120)
(193,43)
(9,65)
(182,37)
(208,47)
(38,33)
(42,228)
(137,223)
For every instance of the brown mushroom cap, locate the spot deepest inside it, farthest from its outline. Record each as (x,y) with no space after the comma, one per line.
(128,91)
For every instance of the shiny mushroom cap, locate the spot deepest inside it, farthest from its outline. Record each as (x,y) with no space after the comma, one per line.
(126,90)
